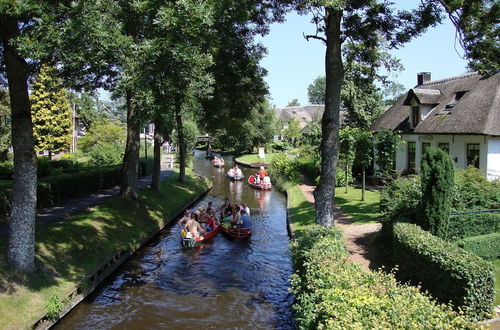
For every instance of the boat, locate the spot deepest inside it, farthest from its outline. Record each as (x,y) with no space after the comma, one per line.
(192,241)
(217,162)
(233,177)
(261,185)
(236,232)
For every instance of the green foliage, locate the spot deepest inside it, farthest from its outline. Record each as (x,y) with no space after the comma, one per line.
(6,170)
(308,166)
(484,246)
(104,131)
(292,132)
(87,109)
(51,112)
(5,130)
(333,293)
(393,92)
(474,192)
(437,176)
(316,91)
(293,103)
(473,224)
(53,307)
(386,145)
(364,149)
(106,154)
(340,180)
(284,172)
(448,272)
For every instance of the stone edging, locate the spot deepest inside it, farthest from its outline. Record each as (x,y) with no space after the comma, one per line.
(252,165)
(106,268)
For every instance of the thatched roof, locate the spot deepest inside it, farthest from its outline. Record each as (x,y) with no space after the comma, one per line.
(304,114)
(466,104)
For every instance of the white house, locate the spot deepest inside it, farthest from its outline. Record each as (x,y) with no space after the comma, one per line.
(460,114)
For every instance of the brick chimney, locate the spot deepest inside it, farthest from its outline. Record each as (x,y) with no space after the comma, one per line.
(423,77)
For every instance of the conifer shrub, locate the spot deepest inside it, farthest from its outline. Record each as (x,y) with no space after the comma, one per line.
(436,176)
(333,293)
(484,246)
(449,273)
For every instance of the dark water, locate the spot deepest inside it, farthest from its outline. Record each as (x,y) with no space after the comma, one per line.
(223,283)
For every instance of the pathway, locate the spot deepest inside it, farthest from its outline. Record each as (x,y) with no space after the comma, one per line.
(358,238)
(65,210)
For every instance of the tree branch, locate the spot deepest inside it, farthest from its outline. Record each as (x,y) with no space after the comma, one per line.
(310,36)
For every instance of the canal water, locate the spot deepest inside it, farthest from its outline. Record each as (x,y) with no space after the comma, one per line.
(223,283)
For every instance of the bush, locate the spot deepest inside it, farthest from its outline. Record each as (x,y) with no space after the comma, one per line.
(106,154)
(473,192)
(334,293)
(340,177)
(145,166)
(308,166)
(284,172)
(484,246)
(6,170)
(474,224)
(448,272)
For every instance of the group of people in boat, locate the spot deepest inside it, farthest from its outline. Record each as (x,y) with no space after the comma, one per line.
(204,220)
(235,172)
(218,160)
(261,177)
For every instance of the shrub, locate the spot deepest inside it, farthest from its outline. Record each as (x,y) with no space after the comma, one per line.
(44,167)
(437,184)
(106,154)
(448,272)
(474,224)
(474,192)
(334,293)
(284,171)
(484,246)
(340,177)
(145,166)
(6,170)
(308,166)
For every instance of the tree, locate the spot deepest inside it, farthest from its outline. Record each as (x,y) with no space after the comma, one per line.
(51,112)
(386,145)
(347,141)
(293,103)
(5,135)
(364,154)
(103,131)
(437,180)
(292,131)
(87,108)
(316,91)
(393,92)
(367,24)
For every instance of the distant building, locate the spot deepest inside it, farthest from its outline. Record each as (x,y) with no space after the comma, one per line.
(460,115)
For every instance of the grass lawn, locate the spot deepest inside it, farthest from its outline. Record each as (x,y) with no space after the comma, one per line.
(361,212)
(67,252)
(301,210)
(496,263)
(254,158)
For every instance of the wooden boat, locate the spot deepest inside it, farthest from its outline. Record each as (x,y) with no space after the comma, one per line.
(233,177)
(192,241)
(217,163)
(236,232)
(262,185)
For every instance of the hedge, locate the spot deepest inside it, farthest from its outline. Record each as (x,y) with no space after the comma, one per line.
(484,246)
(56,189)
(473,224)
(449,273)
(333,293)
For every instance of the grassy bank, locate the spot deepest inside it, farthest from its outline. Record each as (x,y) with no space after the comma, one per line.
(67,252)
(361,211)
(301,211)
(254,158)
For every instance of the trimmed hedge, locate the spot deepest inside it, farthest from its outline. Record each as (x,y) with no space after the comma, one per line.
(448,272)
(334,293)
(473,224)
(56,189)
(484,246)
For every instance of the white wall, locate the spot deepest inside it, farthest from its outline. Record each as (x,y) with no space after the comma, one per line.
(493,168)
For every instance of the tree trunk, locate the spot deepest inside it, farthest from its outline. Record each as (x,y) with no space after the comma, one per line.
(21,248)
(50,154)
(182,142)
(155,177)
(128,187)
(325,190)
(346,178)
(363,186)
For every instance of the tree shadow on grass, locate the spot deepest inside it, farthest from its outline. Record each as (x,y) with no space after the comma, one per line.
(362,212)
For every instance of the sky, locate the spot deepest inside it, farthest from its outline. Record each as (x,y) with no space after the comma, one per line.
(293,63)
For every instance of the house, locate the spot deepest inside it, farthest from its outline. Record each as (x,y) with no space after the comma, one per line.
(460,115)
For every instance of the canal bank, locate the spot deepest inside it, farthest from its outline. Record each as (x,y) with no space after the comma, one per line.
(223,283)
(74,256)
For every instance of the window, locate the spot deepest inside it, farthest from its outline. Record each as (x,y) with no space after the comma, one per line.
(473,154)
(445,147)
(415,115)
(411,155)
(425,145)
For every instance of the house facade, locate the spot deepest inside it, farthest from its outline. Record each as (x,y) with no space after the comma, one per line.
(460,115)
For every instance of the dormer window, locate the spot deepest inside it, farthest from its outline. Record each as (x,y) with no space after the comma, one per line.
(454,100)
(415,115)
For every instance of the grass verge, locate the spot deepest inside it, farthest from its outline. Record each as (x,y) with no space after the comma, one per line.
(67,252)
(254,158)
(361,211)
(301,211)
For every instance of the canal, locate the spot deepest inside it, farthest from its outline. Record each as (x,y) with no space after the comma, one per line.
(223,283)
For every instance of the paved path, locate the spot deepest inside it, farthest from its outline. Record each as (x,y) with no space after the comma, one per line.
(65,210)
(358,239)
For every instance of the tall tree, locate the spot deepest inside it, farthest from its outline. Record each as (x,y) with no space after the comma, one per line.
(316,91)
(51,112)
(293,103)
(367,24)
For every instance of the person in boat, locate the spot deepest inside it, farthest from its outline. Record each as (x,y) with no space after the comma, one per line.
(209,207)
(224,208)
(202,219)
(246,208)
(211,220)
(231,172)
(236,216)
(256,178)
(182,222)
(245,221)
(237,171)
(262,173)
(193,227)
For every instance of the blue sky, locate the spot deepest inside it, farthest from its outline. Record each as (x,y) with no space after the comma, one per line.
(293,63)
